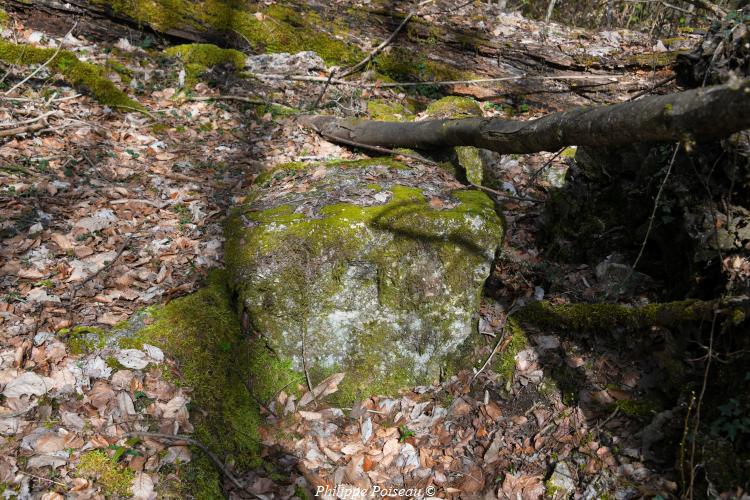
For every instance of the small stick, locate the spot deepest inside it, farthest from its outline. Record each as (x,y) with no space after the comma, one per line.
(43,478)
(110,263)
(658,84)
(500,341)
(179,437)
(325,87)
(504,195)
(22,130)
(536,174)
(32,120)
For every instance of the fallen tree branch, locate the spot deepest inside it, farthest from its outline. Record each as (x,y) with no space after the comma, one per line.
(592,318)
(699,114)
(439,83)
(427,161)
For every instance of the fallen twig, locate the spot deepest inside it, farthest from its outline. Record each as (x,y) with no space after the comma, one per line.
(504,195)
(376,149)
(331,74)
(655,86)
(43,116)
(179,437)
(501,344)
(34,127)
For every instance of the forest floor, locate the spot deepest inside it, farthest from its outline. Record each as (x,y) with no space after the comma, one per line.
(105,212)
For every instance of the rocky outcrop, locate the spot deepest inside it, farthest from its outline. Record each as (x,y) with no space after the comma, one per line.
(371,267)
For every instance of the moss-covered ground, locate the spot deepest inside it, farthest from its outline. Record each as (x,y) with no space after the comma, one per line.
(202,332)
(85,76)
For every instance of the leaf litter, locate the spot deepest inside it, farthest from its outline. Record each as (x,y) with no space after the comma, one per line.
(111,212)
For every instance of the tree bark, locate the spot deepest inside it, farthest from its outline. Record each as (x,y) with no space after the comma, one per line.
(698,114)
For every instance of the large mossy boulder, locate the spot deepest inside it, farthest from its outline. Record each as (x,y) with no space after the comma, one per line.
(371,268)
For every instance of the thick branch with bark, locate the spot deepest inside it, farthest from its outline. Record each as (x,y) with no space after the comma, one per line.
(700,114)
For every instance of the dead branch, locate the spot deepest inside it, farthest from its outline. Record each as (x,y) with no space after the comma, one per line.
(34,127)
(701,114)
(440,83)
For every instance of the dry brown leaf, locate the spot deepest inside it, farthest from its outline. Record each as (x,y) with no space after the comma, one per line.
(326,387)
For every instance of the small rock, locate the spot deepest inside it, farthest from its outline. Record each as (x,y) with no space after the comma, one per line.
(366,430)
(561,483)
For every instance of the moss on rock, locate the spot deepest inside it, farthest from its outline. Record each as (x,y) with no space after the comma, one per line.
(85,76)
(207,55)
(377,282)
(379,109)
(454,107)
(274,28)
(200,57)
(405,65)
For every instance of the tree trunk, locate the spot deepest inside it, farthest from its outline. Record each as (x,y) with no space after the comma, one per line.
(700,114)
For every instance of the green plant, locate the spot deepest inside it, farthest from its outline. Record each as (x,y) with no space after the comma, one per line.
(405,433)
(732,423)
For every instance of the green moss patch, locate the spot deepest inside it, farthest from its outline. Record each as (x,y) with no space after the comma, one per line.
(454,107)
(274,28)
(200,57)
(207,55)
(114,479)
(88,77)
(83,339)
(379,109)
(505,364)
(406,65)
(468,158)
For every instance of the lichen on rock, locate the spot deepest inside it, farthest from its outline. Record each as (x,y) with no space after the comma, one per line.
(382,284)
